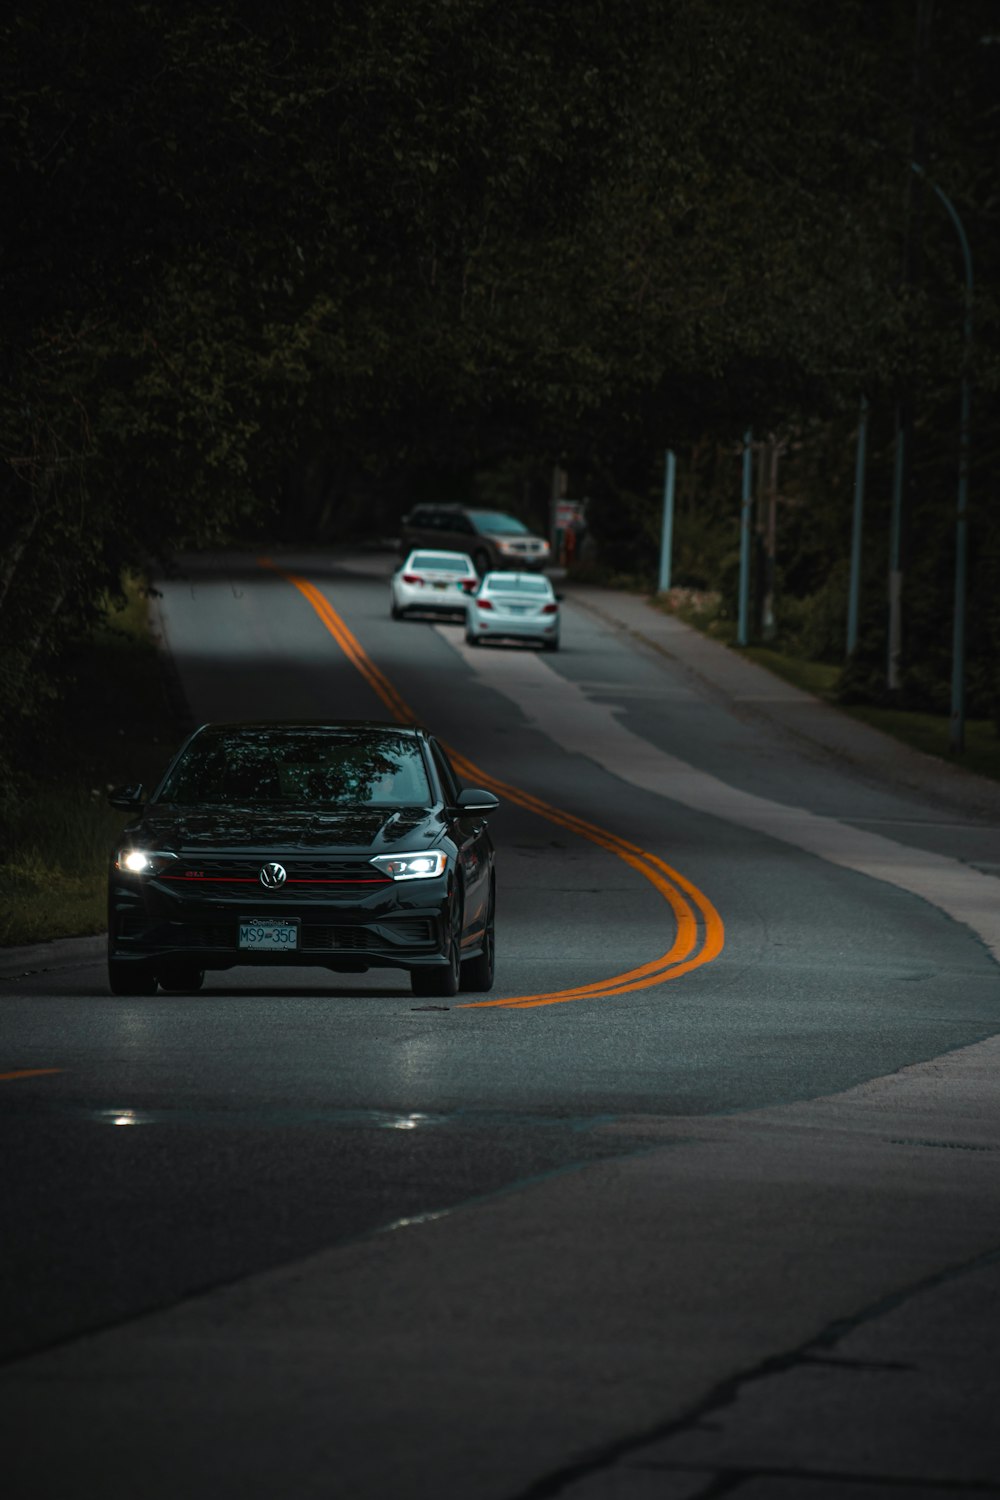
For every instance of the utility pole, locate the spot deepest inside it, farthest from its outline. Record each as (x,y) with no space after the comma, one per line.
(894,649)
(912,213)
(769,625)
(743,624)
(956,727)
(758,563)
(667,531)
(854,591)
(956,730)
(559,480)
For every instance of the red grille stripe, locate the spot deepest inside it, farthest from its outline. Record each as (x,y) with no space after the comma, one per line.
(251,880)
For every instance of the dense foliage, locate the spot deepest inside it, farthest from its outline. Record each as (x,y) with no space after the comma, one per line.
(272,267)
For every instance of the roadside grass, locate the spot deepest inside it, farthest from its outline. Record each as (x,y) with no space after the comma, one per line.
(921,731)
(929,733)
(112,725)
(817,677)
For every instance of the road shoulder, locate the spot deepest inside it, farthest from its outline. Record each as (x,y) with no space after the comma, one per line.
(752,691)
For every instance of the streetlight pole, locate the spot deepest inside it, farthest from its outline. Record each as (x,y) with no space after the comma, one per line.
(956,728)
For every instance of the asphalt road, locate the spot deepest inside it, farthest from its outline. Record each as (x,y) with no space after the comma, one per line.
(309,1236)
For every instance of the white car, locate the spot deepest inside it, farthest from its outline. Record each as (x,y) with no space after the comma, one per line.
(513,606)
(433,581)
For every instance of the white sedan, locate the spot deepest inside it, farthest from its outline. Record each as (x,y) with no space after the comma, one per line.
(433,581)
(513,606)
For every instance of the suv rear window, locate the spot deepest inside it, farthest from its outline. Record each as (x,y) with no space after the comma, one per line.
(496,520)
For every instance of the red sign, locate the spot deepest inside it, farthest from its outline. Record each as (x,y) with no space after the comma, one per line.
(569,513)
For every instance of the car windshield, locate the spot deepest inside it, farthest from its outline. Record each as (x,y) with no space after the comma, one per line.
(442,562)
(495,520)
(303,766)
(520,586)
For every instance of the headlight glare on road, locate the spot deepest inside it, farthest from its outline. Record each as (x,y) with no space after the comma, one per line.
(420,865)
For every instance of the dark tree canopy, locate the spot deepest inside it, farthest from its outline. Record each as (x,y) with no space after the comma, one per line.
(260,259)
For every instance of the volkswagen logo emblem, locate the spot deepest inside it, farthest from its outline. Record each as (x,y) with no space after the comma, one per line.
(273,875)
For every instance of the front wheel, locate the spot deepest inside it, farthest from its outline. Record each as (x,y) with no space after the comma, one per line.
(439,982)
(130,979)
(477,973)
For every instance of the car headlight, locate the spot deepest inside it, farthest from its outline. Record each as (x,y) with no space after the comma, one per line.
(507,546)
(142,861)
(420,865)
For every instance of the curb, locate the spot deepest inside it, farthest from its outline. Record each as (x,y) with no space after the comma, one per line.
(62,953)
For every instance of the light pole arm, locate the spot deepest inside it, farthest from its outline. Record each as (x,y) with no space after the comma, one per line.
(956,733)
(952,213)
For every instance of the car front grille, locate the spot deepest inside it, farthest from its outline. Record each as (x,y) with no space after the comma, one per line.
(239,879)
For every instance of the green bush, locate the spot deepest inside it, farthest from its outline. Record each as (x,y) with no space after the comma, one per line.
(110,724)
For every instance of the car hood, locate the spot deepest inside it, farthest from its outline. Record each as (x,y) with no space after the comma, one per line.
(356,830)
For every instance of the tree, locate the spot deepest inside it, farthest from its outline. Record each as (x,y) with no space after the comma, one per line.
(265,260)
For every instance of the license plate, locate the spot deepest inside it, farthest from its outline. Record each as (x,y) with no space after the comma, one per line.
(518,609)
(269,937)
(440,585)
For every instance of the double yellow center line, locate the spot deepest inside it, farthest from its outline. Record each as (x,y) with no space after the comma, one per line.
(700,933)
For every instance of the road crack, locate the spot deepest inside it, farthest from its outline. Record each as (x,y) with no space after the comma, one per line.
(727,1392)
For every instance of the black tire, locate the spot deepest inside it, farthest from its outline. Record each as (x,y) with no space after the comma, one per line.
(396,612)
(470,639)
(550,645)
(130,978)
(181,979)
(477,973)
(438,982)
(481,562)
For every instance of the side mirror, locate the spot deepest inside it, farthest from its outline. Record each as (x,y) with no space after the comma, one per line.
(475,802)
(127,798)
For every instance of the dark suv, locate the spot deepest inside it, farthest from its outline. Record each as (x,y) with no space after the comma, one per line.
(491,538)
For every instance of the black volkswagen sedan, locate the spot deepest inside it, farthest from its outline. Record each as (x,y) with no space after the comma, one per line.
(344,845)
